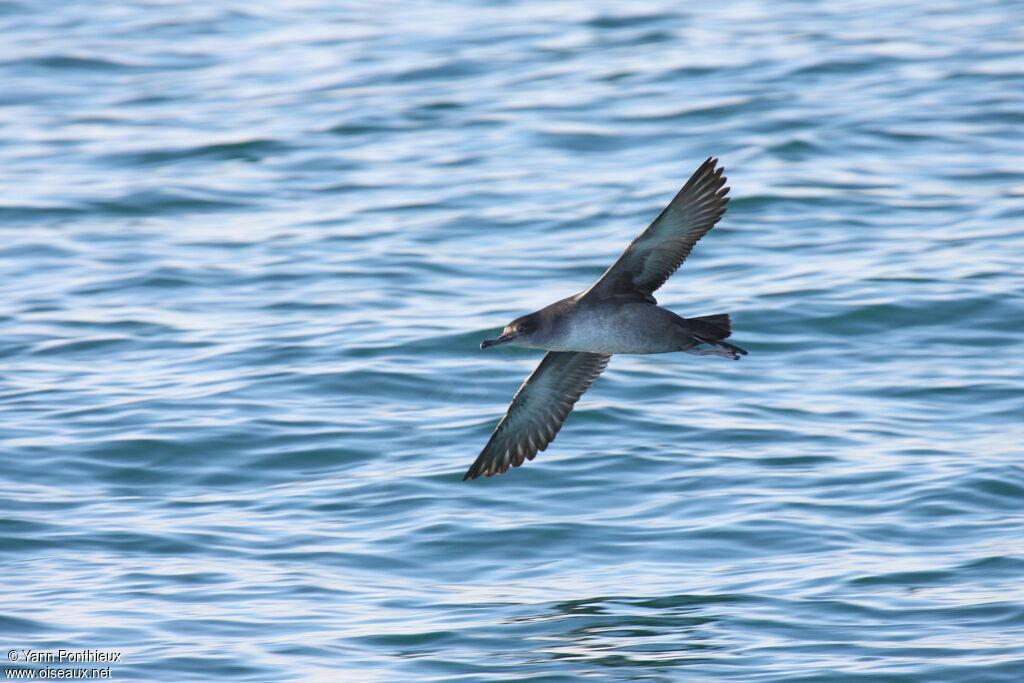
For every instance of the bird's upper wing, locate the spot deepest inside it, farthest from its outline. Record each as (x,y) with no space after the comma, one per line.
(538,410)
(660,249)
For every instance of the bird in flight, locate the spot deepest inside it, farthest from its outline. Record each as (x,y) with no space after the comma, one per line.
(618,314)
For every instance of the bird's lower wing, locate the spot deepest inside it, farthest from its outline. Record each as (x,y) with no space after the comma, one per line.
(660,249)
(538,410)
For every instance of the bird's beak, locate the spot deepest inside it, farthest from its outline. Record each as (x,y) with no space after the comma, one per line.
(503,339)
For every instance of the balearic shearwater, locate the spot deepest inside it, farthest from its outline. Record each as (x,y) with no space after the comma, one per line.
(618,314)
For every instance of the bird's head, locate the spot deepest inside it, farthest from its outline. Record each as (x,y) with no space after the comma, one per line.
(519,332)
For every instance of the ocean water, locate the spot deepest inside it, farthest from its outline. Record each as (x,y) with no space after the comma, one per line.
(250,250)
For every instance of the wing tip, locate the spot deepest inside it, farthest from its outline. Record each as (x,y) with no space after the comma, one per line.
(712,163)
(709,177)
(476,471)
(490,463)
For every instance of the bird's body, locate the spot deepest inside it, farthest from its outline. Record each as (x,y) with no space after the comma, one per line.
(579,323)
(618,314)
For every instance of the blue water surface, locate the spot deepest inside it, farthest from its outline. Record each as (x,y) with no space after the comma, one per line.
(250,250)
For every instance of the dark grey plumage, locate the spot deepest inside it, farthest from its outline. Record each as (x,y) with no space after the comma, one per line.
(618,314)
(658,252)
(538,410)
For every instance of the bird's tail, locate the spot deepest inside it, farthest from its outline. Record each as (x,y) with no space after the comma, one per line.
(712,330)
(717,326)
